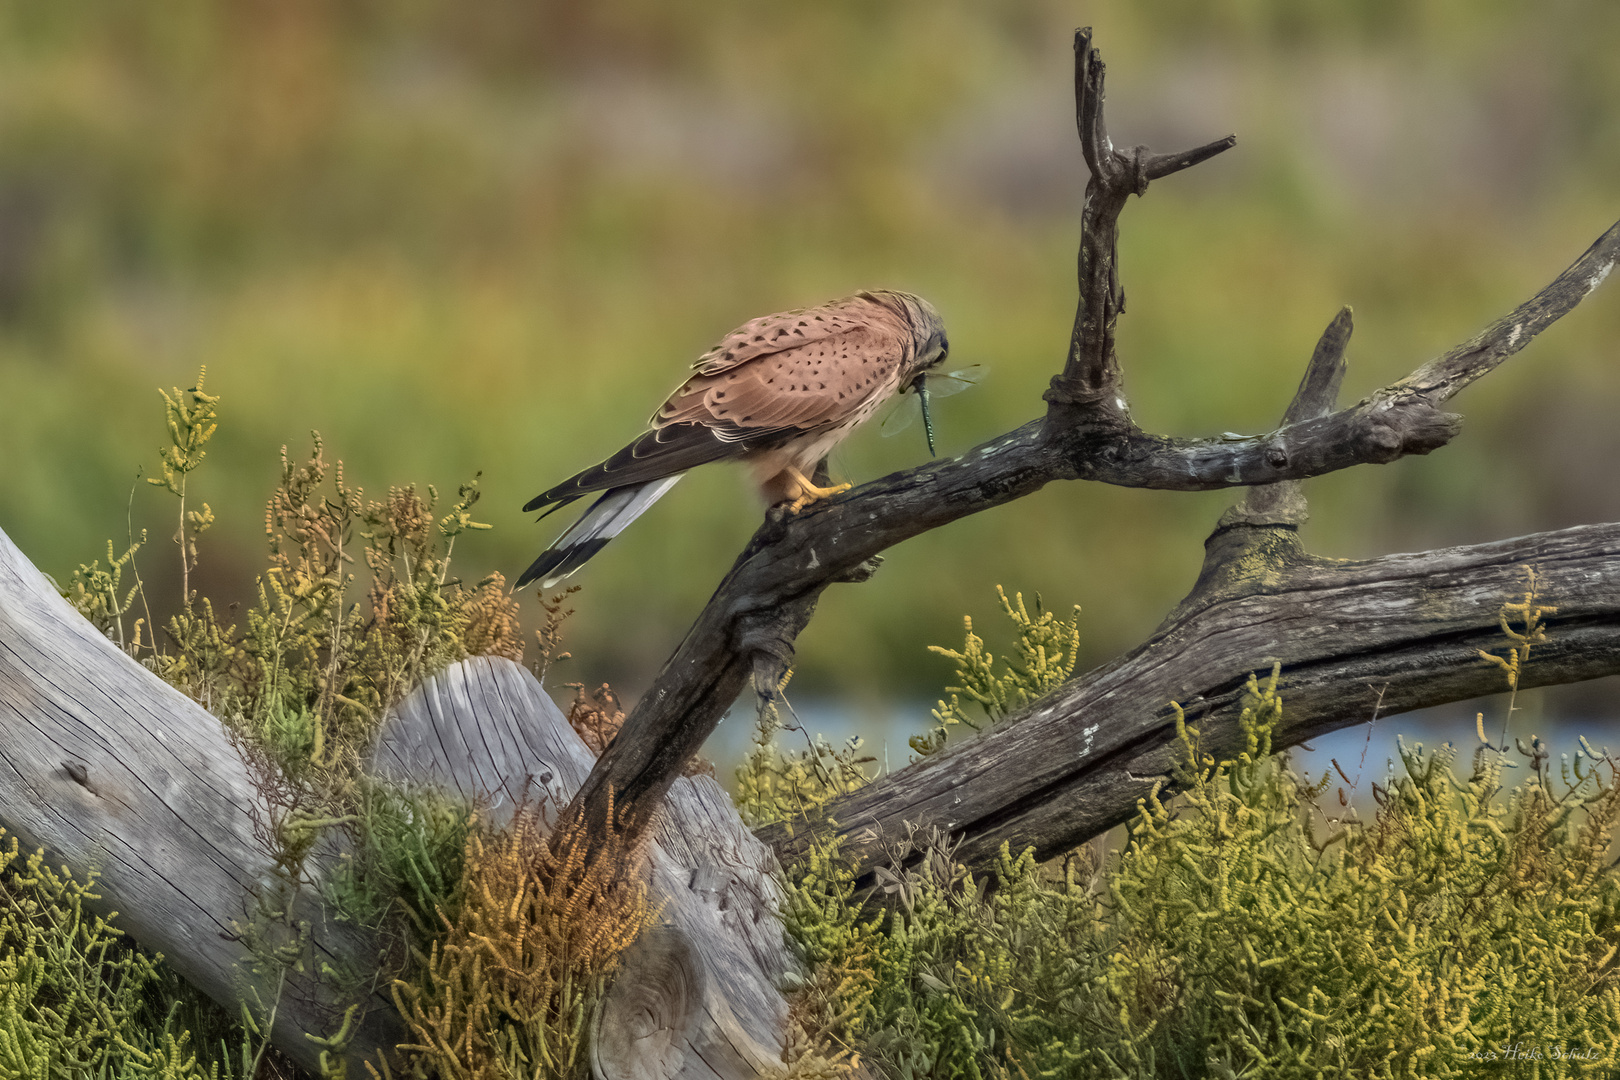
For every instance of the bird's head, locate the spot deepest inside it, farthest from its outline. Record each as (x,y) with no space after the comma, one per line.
(930,346)
(929,343)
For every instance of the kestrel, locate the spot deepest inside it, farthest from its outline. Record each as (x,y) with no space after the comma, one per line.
(778,393)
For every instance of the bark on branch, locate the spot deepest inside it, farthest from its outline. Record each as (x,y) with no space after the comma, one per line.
(1391,634)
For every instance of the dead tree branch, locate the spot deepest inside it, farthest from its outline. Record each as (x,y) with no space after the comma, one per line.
(1407,628)
(1398,633)
(748,628)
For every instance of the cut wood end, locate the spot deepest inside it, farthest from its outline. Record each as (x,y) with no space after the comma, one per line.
(641,1024)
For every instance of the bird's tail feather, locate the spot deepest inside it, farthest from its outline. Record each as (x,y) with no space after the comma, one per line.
(606,518)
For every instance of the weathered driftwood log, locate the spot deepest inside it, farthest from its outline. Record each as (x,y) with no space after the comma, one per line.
(698,996)
(110,769)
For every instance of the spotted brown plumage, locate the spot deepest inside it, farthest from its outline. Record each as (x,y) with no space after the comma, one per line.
(778,393)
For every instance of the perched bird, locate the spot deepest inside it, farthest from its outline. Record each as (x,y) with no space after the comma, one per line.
(778,393)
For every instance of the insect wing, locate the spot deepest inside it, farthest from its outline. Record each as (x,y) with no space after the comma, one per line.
(956,381)
(902,414)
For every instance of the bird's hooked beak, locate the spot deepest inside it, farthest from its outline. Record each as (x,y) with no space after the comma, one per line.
(920,385)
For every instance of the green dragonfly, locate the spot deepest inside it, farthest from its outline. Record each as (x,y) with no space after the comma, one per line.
(926,387)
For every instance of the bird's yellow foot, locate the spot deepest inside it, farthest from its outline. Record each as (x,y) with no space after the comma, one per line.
(814,494)
(809,492)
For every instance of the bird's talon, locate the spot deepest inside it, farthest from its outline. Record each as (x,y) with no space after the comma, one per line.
(810,494)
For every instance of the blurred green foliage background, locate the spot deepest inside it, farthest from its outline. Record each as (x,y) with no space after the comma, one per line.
(491,235)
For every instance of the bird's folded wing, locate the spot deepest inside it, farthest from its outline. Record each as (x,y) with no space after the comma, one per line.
(787,330)
(806,387)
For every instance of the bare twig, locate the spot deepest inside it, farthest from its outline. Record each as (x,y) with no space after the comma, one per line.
(1283,502)
(1087,391)
(1445,375)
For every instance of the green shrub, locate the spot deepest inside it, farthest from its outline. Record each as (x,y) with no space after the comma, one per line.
(1464,931)
(76,999)
(774,784)
(777,784)
(356,606)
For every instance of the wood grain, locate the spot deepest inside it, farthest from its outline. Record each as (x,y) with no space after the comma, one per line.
(110,769)
(697,996)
